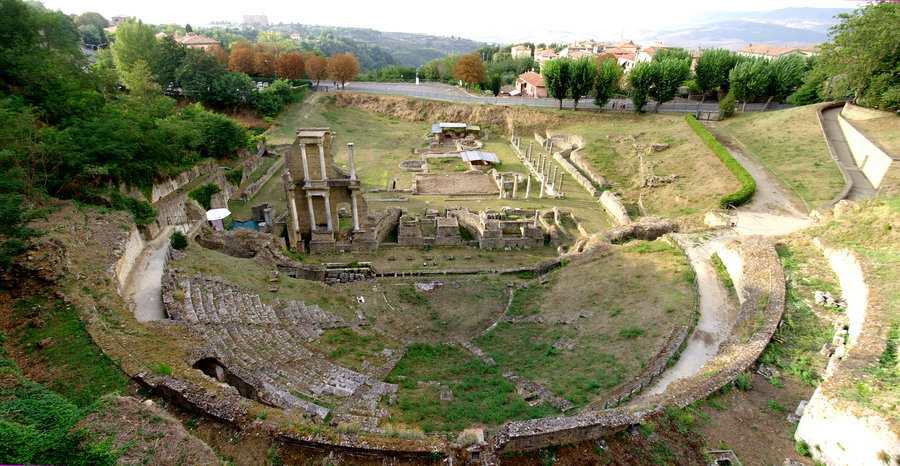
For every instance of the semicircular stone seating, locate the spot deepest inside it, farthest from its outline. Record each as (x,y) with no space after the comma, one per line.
(262,345)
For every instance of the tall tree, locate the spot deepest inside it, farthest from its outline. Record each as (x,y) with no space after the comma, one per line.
(138,79)
(219,53)
(171,56)
(134,41)
(750,80)
(289,65)
(469,69)
(712,70)
(196,75)
(495,82)
(241,58)
(316,68)
(263,63)
(557,78)
(787,75)
(583,74)
(668,75)
(608,82)
(640,80)
(666,53)
(343,67)
(862,58)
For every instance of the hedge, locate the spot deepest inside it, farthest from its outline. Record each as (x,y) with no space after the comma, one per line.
(748,184)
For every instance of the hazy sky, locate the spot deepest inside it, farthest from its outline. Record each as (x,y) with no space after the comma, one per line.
(481,20)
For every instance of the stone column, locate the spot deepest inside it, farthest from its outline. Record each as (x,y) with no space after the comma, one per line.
(541,194)
(559,189)
(530,148)
(352,164)
(312,212)
(527,185)
(322,160)
(355,212)
(328,211)
(515,185)
(501,187)
(305,162)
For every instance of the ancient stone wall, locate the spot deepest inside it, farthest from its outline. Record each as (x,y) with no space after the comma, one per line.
(249,191)
(615,208)
(127,258)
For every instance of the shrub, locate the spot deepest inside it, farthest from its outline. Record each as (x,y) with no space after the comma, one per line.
(727,106)
(742,382)
(178,240)
(142,211)
(204,194)
(748,184)
(162,369)
(235,176)
(802,448)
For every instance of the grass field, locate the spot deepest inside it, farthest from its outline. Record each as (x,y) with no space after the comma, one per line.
(702,178)
(791,145)
(617,310)
(884,131)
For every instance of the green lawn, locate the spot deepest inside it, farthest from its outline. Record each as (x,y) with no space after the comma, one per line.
(791,145)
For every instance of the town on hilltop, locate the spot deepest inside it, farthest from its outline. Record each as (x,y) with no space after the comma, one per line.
(261,241)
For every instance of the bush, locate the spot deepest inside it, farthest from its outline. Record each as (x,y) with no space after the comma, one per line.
(742,382)
(235,176)
(748,184)
(178,241)
(727,106)
(142,211)
(204,194)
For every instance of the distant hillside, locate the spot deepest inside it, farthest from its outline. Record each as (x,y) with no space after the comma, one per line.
(380,48)
(736,29)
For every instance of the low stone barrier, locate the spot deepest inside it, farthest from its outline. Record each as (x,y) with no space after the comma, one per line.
(615,208)
(249,191)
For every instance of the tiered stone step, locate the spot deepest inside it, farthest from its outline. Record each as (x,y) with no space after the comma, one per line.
(261,344)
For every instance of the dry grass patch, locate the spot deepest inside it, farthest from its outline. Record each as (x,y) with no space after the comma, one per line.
(702,178)
(790,144)
(884,131)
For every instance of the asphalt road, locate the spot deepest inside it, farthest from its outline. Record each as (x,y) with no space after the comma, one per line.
(447,93)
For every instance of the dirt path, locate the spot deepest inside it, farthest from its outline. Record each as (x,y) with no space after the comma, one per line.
(772,212)
(144,287)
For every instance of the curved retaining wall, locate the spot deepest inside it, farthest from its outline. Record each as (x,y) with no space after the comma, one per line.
(839,431)
(871,158)
(763,280)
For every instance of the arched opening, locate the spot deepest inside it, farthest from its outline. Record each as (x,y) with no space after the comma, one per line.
(215,369)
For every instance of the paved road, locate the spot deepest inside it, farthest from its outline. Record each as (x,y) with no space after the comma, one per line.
(862,187)
(447,93)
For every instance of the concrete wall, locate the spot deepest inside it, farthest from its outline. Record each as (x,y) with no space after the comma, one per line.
(870,158)
(838,431)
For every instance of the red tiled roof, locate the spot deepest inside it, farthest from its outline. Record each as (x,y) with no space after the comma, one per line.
(769,50)
(196,39)
(532,78)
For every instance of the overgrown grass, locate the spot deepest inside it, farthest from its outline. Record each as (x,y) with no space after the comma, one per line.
(722,272)
(37,425)
(526,301)
(748,184)
(579,375)
(76,368)
(350,348)
(801,334)
(480,393)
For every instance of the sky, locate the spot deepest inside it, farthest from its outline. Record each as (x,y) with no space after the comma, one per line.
(474,19)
